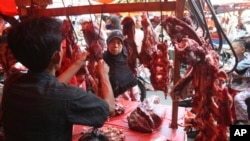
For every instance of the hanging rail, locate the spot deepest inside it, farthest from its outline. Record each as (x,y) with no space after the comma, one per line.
(107,8)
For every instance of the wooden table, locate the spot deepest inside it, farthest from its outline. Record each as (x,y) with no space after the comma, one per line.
(163,132)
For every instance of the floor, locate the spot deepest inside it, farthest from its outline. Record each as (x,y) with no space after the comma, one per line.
(167,101)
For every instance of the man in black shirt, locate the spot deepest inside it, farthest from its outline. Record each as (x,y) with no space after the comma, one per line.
(37,106)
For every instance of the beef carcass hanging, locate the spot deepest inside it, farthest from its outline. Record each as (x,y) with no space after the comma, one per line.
(69,40)
(96,45)
(95,40)
(160,68)
(129,41)
(149,42)
(211,101)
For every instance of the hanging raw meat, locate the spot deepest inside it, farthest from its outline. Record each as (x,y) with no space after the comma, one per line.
(160,68)
(70,49)
(178,29)
(149,42)
(7,60)
(96,45)
(212,102)
(70,44)
(148,115)
(129,41)
(95,39)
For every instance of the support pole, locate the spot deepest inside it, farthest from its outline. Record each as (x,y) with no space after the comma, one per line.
(180,5)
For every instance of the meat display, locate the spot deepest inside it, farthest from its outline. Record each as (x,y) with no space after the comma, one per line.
(178,29)
(153,55)
(129,41)
(95,40)
(147,116)
(71,50)
(96,45)
(113,133)
(160,68)
(6,58)
(149,41)
(212,101)
(119,108)
(103,134)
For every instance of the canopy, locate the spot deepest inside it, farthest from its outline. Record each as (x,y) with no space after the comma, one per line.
(8,8)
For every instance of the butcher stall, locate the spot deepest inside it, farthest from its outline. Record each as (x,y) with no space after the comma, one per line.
(183,66)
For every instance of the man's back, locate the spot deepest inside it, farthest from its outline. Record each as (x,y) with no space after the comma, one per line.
(38,107)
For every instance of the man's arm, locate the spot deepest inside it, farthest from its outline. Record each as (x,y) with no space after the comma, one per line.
(68,74)
(243,64)
(106,91)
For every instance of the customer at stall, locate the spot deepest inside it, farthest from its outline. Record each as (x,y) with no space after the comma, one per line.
(122,79)
(37,106)
(241,25)
(139,34)
(241,81)
(113,22)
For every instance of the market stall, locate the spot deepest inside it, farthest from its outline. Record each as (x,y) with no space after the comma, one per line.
(109,7)
(38,8)
(164,132)
(192,47)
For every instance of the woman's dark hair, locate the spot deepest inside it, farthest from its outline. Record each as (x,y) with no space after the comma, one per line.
(116,21)
(34,41)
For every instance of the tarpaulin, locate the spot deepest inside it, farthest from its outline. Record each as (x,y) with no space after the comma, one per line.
(120,122)
(8,8)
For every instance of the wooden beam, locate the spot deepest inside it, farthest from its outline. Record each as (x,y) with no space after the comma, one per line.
(105,8)
(180,6)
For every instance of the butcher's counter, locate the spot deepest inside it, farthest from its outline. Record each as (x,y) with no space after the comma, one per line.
(163,133)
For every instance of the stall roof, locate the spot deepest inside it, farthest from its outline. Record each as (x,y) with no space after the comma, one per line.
(17,7)
(10,8)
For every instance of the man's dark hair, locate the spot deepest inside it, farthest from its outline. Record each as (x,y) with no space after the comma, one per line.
(34,41)
(240,42)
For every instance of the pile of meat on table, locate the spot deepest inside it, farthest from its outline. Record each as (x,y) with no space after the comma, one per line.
(103,134)
(147,116)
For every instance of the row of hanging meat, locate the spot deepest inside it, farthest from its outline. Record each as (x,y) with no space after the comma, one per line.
(212,101)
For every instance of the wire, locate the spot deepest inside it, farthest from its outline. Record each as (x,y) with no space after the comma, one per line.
(71,24)
(162,37)
(221,33)
(196,7)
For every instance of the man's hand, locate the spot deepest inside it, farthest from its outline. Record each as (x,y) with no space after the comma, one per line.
(102,68)
(81,57)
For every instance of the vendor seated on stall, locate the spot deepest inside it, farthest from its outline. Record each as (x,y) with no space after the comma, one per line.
(123,81)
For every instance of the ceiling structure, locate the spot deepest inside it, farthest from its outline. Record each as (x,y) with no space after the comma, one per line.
(80,7)
(9,8)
